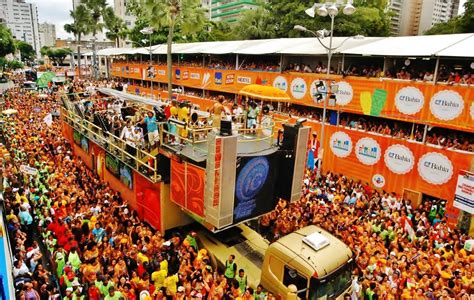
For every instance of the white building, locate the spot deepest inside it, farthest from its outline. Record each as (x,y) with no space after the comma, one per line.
(47,33)
(22,19)
(414,17)
(120,8)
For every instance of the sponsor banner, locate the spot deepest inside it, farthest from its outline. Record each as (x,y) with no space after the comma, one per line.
(399,159)
(368,151)
(438,105)
(435,168)
(446,105)
(464,196)
(28,170)
(341,144)
(409,100)
(185,75)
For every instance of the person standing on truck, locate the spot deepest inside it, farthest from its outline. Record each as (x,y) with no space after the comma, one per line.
(230,268)
(242,280)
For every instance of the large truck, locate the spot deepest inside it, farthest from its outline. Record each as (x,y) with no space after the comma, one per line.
(311,259)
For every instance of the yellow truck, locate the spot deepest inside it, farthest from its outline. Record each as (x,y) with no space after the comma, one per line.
(311,259)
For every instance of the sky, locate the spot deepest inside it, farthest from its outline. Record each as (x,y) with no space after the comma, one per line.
(57,12)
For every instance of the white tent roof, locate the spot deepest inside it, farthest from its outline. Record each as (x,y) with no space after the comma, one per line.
(463,48)
(455,45)
(311,46)
(425,45)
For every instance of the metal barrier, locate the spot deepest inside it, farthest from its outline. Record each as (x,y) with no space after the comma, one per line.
(143,162)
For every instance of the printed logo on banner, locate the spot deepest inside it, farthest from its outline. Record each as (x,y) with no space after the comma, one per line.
(161,72)
(472,110)
(185,75)
(229,79)
(446,105)
(218,78)
(344,94)
(298,88)
(368,151)
(435,168)
(195,76)
(340,144)
(244,80)
(378,181)
(409,100)
(399,159)
(206,78)
(280,83)
(178,74)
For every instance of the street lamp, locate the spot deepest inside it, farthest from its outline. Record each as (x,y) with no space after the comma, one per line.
(323,10)
(149,31)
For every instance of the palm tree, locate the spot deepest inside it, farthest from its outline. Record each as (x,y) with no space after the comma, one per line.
(96,10)
(115,25)
(255,24)
(187,14)
(79,27)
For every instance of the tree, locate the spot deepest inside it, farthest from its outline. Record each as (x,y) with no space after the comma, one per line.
(79,27)
(96,9)
(186,14)
(7,44)
(460,24)
(10,64)
(370,19)
(57,55)
(255,24)
(26,50)
(115,25)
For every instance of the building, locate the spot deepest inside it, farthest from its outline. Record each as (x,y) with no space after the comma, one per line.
(228,10)
(120,8)
(22,19)
(414,17)
(47,33)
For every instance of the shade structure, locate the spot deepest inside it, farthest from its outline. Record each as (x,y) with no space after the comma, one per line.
(263,92)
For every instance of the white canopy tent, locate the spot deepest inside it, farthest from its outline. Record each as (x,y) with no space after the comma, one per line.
(450,45)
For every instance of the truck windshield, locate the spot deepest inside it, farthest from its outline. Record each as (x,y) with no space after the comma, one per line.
(333,285)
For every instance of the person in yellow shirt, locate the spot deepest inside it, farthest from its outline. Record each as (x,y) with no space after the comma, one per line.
(158,278)
(141,257)
(171,284)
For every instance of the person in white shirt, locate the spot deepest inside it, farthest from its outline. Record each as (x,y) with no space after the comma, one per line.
(127,136)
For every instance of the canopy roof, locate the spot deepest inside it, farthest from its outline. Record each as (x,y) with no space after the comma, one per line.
(263,92)
(449,45)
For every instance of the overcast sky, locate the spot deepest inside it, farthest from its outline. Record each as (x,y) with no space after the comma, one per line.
(57,12)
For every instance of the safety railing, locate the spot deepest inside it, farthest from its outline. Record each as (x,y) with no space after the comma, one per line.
(142,162)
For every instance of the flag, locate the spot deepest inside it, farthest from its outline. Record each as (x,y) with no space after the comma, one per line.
(48,119)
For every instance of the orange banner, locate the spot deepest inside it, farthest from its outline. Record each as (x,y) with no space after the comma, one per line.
(393,164)
(412,101)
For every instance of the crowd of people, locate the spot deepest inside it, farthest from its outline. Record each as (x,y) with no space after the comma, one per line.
(402,251)
(440,137)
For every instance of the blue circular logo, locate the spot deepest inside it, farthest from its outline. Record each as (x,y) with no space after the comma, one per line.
(252,178)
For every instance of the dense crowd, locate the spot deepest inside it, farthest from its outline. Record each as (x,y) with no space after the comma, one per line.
(441,137)
(98,246)
(402,251)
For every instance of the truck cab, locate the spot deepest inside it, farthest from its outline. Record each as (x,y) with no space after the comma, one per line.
(312,259)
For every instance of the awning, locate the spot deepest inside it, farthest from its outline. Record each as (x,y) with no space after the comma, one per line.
(263,92)
(463,48)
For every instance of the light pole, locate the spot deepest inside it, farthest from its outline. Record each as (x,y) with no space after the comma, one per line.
(149,31)
(323,10)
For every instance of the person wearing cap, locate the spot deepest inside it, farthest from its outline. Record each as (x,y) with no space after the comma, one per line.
(180,293)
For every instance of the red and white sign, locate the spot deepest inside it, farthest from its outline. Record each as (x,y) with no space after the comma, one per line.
(464,196)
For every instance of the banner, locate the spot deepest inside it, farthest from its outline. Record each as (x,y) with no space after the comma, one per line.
(28,170)
(464,196)
(412,101)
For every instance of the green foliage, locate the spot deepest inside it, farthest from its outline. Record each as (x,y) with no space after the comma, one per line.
(7,44)
(57,55)
(96,10)
(115,25)
(27,51)
(80,25)
(255,24)
(460,24)
(370,18)
(10,65)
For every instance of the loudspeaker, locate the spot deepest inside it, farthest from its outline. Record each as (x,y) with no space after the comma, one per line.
(290,133)
(226,128)
(163,167)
